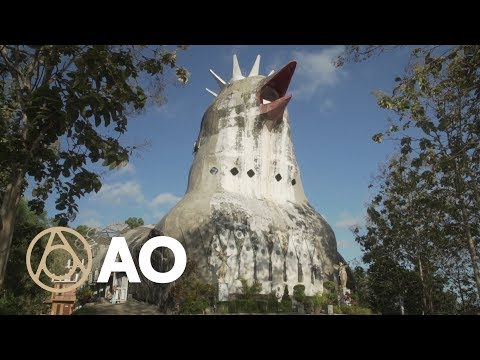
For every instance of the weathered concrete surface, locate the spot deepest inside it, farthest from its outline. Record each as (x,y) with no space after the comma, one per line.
(245,214)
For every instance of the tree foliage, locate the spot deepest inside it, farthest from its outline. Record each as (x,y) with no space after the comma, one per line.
(403,249)
(189,294)
(134,222)
(424,215)
(21,295)
(63,110)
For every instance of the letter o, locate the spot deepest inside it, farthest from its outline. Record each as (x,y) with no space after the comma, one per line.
(145,258)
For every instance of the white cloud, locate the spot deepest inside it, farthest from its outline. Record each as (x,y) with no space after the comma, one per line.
(164,198)
(158,205)
(315,70)
(164,110)
(153,217)
(89,217)
(116,193)
(91,222)
(278,60)
(343,244)
(131,193)
(326,105)
(127,169)
(347,220)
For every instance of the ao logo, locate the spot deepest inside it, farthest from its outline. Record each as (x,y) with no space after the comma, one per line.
(118,246)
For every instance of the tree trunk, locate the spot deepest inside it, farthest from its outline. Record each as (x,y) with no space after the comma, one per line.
(471,249)
(422,280)
(8,210)
(460,290)
(428,287)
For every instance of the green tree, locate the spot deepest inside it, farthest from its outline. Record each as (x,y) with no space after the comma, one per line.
(363,292)
(62,109)
(134,222)
(84,295)
(20,294)
(406,242)
(437,116)
(436,123)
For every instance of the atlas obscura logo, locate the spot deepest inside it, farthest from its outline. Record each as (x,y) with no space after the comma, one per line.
(57,241)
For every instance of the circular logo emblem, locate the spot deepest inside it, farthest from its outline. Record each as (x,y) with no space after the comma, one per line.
(56,233)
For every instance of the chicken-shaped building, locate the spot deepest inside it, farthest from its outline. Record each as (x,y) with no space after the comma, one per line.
(245,214)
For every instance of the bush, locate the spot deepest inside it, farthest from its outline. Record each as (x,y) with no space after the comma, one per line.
(272,306)
(354,310)
(246,306)
(329,285)
(299,292)
(250,292)
(193,307)
(321,300)
(21,304)
(308,305)
(262,306)
(190,293)
(84,295)
(286,296)
(285,306)
(222,307)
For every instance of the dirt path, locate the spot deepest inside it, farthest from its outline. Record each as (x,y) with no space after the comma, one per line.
(132,307)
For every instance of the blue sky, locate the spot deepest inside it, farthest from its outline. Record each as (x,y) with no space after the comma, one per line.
(333,115)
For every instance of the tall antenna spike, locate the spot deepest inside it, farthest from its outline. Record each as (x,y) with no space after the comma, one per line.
(237,74)
(212,92)
(221,83)
(256,67)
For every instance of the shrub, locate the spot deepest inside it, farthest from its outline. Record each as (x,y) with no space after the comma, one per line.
(84,295)
(321,300)
(355,310)
(246,306)
(272,306)
(250,292)
(285,306)
(308,305)
(193,307)
(299,292)
(190,293)
(329,285)
(232,307)
(222,307)
(262,306)
(286,296)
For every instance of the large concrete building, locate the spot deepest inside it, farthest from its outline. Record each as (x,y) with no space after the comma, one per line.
(245,214)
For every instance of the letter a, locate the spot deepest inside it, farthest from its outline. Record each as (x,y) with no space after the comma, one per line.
(118,246)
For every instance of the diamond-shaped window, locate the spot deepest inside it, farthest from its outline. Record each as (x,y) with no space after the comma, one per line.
(278,177)
(250,173)
(234,171)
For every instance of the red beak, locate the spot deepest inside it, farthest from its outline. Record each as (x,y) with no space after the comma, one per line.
(272,95)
